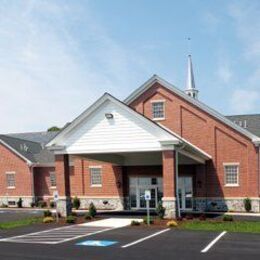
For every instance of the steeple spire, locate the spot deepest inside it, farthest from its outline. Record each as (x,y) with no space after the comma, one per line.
(190,82)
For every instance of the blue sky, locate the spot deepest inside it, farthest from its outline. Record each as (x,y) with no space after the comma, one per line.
(58,57)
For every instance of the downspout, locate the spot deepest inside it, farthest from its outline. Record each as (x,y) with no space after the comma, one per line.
(31,167)
(259,175)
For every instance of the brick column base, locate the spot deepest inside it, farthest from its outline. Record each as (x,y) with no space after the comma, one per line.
(170,207)
(64,207)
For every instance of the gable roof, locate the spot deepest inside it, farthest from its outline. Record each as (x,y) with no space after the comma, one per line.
(156,79)
(250,122)
(33,152)
(170,137)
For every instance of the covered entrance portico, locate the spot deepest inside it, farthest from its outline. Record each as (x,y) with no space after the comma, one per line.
(137,154)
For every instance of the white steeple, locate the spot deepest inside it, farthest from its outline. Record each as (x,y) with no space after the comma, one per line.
(190,83)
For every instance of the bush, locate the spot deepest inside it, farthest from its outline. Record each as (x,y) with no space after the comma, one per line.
(227,218)
(20,203)
(247,204)
(47,213)
(48,220)
(145,220)
(52,204)
(76,203)
(87,216)
(42,204)
(92,210)
(135,223)
(74,214)
(4,205)
(160,210)
(32,204)
(71,219)
(172,224)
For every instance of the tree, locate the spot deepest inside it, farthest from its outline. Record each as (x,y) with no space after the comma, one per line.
(53,129)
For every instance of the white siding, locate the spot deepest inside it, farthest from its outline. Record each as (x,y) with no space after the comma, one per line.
(125,132)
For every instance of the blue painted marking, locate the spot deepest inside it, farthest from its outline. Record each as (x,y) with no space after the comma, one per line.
(97,243)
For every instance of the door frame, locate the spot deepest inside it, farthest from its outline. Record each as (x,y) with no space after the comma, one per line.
(183,193)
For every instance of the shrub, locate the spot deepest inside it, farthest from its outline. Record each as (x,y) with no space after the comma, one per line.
(47,213)
(76,203)
(48,220)
(20,203)
(160,210)
(135,223)
(52,204)
(92,210)
(247,204)
(88,216)
(74,214)
(42,204)
(145,220)
(71,219)
(32,204)
(4,205)
(227,218)
(172,224)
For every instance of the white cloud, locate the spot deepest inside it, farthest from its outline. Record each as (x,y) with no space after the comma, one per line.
(243,101)
(56,59)
(224,72)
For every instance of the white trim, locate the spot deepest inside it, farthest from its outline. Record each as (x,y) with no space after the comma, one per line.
(238,175)
(231,164)
(10,173)
(99,185)
(16,152)
(255,139)
(164,112)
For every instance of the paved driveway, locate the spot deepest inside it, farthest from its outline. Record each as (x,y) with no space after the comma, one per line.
(9,215)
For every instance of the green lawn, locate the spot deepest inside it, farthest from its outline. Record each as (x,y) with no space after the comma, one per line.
(20,223)
(235,226)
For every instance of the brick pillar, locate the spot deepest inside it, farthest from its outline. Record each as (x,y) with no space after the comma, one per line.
(169,177)
(63,184)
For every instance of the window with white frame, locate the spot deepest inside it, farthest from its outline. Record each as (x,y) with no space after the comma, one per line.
(158,109)
(95,176)
(53,179)
(10,179)
(231,174)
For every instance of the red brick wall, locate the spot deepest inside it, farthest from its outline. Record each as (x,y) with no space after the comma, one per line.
(11,162)
(222,142)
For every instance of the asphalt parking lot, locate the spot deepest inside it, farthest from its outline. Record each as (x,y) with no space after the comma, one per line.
(137,243)
(12,215)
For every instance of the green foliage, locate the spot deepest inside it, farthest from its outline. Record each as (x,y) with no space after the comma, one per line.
(247,204)
(227,218)
(135,223)
(76,203)
(92,210)
(48,220)
(53,129)
(145,220)
(20,203)
(88,216)
(42,204)
(71,219)
(52,204)
(47,213)
(160,210)
(32,204)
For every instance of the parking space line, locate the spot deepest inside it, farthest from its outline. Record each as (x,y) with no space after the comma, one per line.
(145,238)
(213,242)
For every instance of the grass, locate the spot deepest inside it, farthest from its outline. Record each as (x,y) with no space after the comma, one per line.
(20,223)
(235,226)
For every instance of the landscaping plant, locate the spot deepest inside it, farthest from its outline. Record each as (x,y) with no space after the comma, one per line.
(48,220)
(227,218)
(160,210)
(76,203)
(172,224)
(20,203)
(92,210)
(47,213)
(52,204)
(145,220)
(247,204)
(71,219)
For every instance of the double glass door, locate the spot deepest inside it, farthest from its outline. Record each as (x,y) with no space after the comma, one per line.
(138,186)
(185,192)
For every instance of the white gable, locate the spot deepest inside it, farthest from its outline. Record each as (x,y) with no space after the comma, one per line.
(127,131)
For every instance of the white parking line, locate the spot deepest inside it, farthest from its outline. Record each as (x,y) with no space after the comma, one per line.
(145,238)
(213,242)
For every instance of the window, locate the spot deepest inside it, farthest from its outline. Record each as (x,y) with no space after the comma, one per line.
(10,179)
(53,179)
(231,174)
(158,109)
(95,176)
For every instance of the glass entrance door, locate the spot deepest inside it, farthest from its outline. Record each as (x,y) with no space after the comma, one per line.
(185,192)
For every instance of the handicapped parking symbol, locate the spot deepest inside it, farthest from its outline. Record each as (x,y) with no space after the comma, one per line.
(102,243)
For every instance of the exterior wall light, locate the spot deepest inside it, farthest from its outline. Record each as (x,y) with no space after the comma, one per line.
(109,115)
